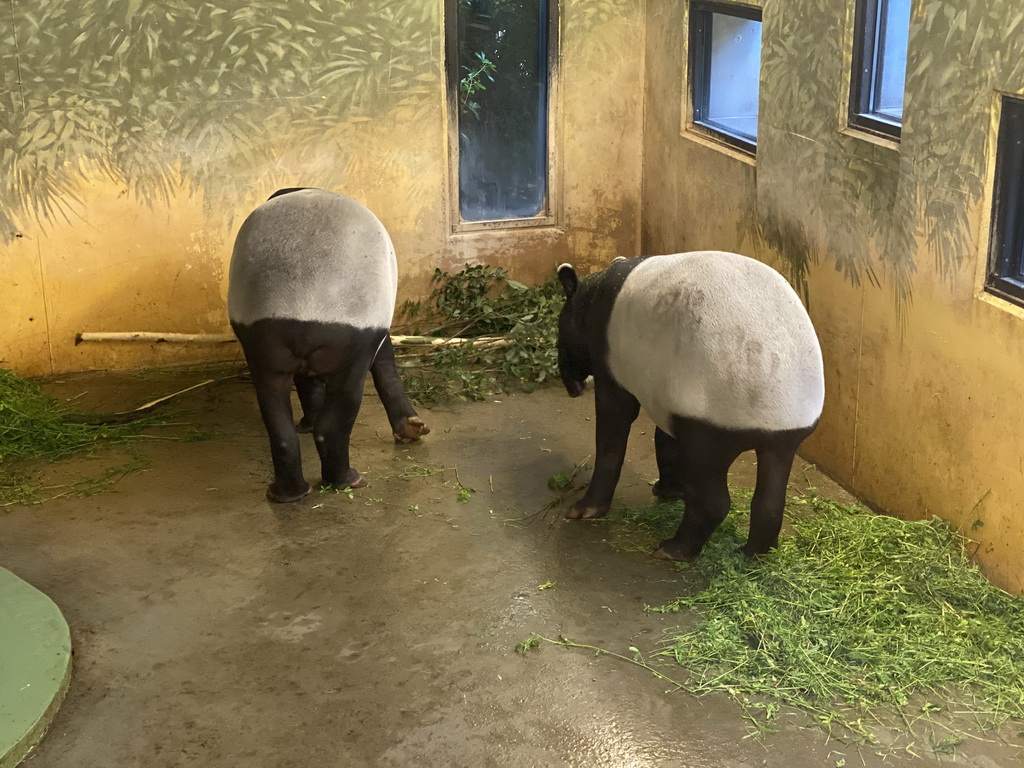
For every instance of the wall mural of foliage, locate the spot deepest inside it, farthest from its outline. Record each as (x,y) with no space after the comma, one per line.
(821,192)
(171,96)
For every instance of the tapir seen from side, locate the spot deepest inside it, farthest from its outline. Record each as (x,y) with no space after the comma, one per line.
(311,294)
(720,353)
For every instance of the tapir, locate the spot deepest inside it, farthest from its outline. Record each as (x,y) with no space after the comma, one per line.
(311,294)
(719,351)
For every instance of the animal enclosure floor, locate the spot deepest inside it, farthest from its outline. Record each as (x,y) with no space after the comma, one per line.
(213,628)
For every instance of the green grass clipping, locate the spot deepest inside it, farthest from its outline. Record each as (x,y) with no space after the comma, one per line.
(853,615)
(35,427)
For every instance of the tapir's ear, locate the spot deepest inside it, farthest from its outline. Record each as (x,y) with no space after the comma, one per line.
(567,277)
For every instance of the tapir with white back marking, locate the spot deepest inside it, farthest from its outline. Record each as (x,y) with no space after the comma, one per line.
(311,294)
(720,353)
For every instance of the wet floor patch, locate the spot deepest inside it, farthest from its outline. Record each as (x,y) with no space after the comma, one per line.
(215,628)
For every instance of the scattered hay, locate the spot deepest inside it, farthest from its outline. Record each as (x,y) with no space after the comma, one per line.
(35,427)
(853,616)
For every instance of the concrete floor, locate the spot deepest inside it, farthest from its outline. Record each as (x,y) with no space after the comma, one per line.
(212,628)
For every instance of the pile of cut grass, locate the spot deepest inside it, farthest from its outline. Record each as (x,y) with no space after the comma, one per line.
(854,617)
(35,427)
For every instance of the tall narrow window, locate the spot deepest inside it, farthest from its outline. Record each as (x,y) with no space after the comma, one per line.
(879,65)
(1006,259)
(725,66)
(499,54)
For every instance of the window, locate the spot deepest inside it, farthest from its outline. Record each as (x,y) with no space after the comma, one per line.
(879,65)
(499,73)
(1006,260)
(725,68)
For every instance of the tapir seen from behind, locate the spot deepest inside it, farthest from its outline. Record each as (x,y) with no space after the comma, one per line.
(720,353)
(311,294)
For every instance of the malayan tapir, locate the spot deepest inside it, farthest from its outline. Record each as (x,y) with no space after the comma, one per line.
(311,294)
(720,353)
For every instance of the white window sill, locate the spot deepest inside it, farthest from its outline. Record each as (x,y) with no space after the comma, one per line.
(698,136)
(871,138)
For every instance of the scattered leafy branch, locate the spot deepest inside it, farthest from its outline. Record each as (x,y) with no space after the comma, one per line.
(535,640)
(482,301)
(564,481)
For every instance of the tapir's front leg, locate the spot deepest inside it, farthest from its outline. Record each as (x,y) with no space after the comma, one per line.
(406,425)
(616,411)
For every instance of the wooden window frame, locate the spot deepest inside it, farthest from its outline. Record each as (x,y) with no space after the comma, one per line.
(700,67)
(1005,277)
(550,215)
(868,31)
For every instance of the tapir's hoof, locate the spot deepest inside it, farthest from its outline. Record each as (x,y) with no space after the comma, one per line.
(274,495)
(305,426)
(352,480)
(410,429)
(667,493)
(751,551)
(580,511)
(670,549)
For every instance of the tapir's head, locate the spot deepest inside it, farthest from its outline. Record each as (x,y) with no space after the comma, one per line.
(573,355)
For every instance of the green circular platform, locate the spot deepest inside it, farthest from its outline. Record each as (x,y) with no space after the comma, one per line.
(35,666)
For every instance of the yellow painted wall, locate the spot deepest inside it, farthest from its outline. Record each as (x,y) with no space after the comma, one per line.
(924,372)
(125,173)
(134,138)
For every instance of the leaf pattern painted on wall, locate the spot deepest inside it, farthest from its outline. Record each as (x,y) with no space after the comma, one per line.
(601,24)
(959,52)
(165,95)
(822,194)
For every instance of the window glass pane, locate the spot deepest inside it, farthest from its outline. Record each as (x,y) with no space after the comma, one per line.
(1006,262)
(502,120)
(880,65)
(891,57)
(734,74)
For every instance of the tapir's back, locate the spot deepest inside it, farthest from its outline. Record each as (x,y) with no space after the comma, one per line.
(719,338)
(313,255)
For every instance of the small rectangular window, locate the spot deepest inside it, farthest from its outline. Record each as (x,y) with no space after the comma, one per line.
(725,69)
(879,65)
(499,54)
(1006,259)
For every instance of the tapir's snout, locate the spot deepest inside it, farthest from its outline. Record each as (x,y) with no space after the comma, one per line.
(575,388)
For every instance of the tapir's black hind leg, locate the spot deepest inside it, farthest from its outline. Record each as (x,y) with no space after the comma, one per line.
(406,425)
(706,495)
(669,454)
(333,429)
(273,393)
(311,397)
(773,468)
